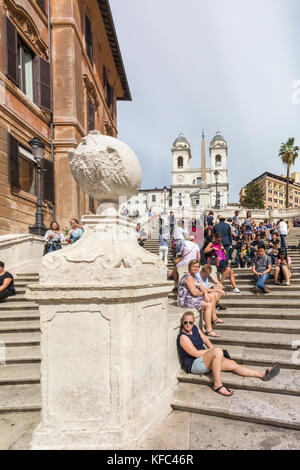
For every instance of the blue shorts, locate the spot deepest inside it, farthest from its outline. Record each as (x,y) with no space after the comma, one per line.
(198,366)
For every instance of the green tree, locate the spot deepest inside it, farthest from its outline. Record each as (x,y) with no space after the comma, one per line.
(288,153)
(253,198)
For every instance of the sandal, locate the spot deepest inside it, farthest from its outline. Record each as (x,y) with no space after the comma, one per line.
(270,374)
(218,320)
(216,335)
(217,390)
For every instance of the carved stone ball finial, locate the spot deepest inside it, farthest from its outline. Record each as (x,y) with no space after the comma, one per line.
(106,168)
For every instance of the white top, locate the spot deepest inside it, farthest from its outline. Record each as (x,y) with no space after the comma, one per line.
(179,233)
(283,228)
(194,250)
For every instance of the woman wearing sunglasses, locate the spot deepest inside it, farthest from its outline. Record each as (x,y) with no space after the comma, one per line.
(196,359)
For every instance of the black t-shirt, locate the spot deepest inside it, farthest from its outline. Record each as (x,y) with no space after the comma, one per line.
(11,287)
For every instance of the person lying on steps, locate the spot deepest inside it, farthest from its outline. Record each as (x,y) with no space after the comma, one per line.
(196,359)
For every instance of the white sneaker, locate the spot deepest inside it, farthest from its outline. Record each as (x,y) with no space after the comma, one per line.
(236,291)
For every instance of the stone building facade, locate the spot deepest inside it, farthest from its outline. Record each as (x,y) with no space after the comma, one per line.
(61,74)
(274,190)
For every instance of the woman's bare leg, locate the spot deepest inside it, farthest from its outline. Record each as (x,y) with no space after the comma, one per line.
(213,360)
(276,273)
(231,366)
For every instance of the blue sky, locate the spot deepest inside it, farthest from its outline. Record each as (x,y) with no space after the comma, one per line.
(225,65)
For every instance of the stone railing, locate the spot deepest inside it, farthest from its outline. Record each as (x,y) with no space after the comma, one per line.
(21,252)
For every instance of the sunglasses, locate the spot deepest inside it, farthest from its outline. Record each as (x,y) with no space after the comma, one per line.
(188,322)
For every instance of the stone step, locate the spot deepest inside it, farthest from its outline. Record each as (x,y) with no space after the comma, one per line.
(16,306)
(247,288)
(263,313)
(263,325)
(15,298)
(257,339)
(7,315)
(280,295)
(22,355)
(245,405)
(20,398)
(254,301)
(286,383)
(259,301)
(21,326)
(21,339)
(19,373)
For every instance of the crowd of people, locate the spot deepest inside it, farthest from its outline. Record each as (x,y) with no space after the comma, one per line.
(199,276)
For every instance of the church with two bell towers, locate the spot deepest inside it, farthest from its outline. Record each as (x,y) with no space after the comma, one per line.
(197,186)
(191,188)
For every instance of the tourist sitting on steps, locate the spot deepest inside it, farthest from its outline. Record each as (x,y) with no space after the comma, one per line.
(196,359)
(282,271)
(261,267)
(215,247)
(191,294)
(7,288)
(205,277)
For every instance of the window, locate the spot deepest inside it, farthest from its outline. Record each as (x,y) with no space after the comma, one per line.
(280,202)
(270,199)
(275,200)
(179,162)
(27,173)
(296,200)
(153,198)
(270,191)
(218,160)
(88,38)
(197,202)
(25,69)
(129,202)
(281,194)
(108,92)
(180,203)
(276,192)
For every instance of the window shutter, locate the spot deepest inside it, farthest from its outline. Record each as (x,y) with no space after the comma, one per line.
(90,115)
(88,38)
(48,181)
(43,97)
(11,51)
(13,161)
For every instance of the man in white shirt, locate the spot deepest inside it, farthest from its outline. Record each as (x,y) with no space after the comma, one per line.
(190,250)
(283,229)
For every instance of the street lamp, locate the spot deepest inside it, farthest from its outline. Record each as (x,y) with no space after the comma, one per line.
(38,152)
(216,174)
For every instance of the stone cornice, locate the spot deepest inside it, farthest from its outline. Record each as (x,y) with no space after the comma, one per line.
(66,121)
(26,27)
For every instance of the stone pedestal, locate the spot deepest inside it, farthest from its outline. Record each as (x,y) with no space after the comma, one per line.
(103,307)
